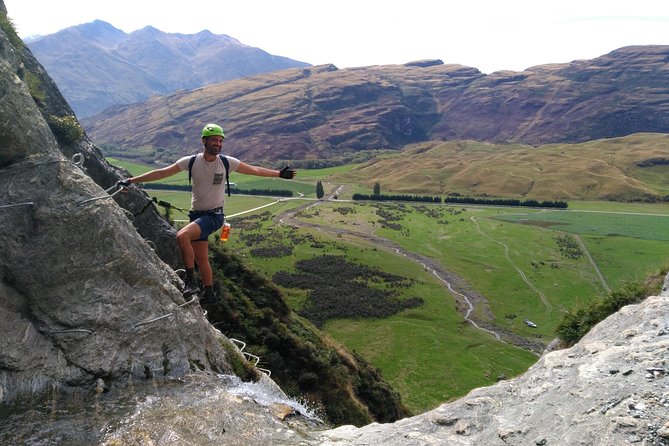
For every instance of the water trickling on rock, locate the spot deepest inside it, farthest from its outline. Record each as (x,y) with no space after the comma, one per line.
(196,410)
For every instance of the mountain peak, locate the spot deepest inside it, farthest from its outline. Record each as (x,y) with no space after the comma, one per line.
(97,28)
(150,30)
(144,63)
(97,31)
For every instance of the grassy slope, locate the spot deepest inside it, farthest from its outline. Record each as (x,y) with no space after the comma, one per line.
(414,349)
(602,169)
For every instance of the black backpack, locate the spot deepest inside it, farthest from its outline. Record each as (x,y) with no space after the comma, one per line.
(226,163)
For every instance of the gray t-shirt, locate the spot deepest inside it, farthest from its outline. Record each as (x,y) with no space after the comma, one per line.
(208,178)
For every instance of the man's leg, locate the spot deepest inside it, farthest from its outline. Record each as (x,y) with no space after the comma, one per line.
(201,251)
(185,238)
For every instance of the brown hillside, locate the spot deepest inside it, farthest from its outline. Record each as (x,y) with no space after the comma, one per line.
(322,112)
(635,167)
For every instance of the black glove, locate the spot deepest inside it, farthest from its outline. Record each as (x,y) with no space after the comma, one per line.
(122,183)
(287,173)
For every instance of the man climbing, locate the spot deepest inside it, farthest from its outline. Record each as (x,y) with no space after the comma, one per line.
(208,170)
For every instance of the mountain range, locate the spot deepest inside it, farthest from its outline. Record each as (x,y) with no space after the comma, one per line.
(96,65)
(324,112)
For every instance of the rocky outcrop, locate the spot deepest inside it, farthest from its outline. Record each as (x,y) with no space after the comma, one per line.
(77,282)
(610,388)
(325,114)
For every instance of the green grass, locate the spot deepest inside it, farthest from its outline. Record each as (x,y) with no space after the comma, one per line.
(645,227)
(414,349)
(613,206)
(623,259)
(472,244)
(430,354)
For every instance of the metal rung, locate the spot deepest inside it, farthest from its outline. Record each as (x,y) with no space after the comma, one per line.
(256,358)
(241,345)
(237,342)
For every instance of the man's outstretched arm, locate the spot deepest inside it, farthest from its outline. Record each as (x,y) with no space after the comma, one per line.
(157,174)
(247,169)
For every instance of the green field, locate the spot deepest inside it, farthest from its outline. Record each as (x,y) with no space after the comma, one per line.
(512,257)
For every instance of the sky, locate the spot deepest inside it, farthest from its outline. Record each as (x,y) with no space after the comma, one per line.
(490,35)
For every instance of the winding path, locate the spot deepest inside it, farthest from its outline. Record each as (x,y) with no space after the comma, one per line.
(466,298)
(520,272)
(592,262)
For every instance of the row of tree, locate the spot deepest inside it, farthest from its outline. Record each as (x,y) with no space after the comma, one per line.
(421,198)
(377,196)
(508,202)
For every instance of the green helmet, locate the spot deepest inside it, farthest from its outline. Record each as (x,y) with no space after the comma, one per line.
(212,129)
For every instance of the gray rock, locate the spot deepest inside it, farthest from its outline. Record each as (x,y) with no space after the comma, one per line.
(76,278)
(567,397)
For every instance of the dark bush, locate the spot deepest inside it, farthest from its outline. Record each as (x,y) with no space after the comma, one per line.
(341,289)
(578,321)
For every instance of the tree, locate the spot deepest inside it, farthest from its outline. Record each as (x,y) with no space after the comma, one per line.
(319,190)
(377,189)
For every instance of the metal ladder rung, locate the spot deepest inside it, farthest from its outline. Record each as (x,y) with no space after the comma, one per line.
(241,345)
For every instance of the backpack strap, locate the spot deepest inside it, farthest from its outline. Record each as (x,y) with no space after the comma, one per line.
(226,164)
(190,166)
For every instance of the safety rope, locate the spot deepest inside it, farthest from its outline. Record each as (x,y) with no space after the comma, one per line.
(155,319)
(109,195)
(138,324)
(78,160)
(146,206)
(26,203)
(74,330)
(169,205)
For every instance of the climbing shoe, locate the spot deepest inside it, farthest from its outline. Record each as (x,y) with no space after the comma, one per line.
(190,288)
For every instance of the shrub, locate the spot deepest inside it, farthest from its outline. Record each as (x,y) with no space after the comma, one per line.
(7,27)
(577,322)
(340,289)
(34,87)
(66,129)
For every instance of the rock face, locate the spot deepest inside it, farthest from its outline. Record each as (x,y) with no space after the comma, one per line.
(322,112)
(610,388)
(77,282)
(89,302)
(132,67)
